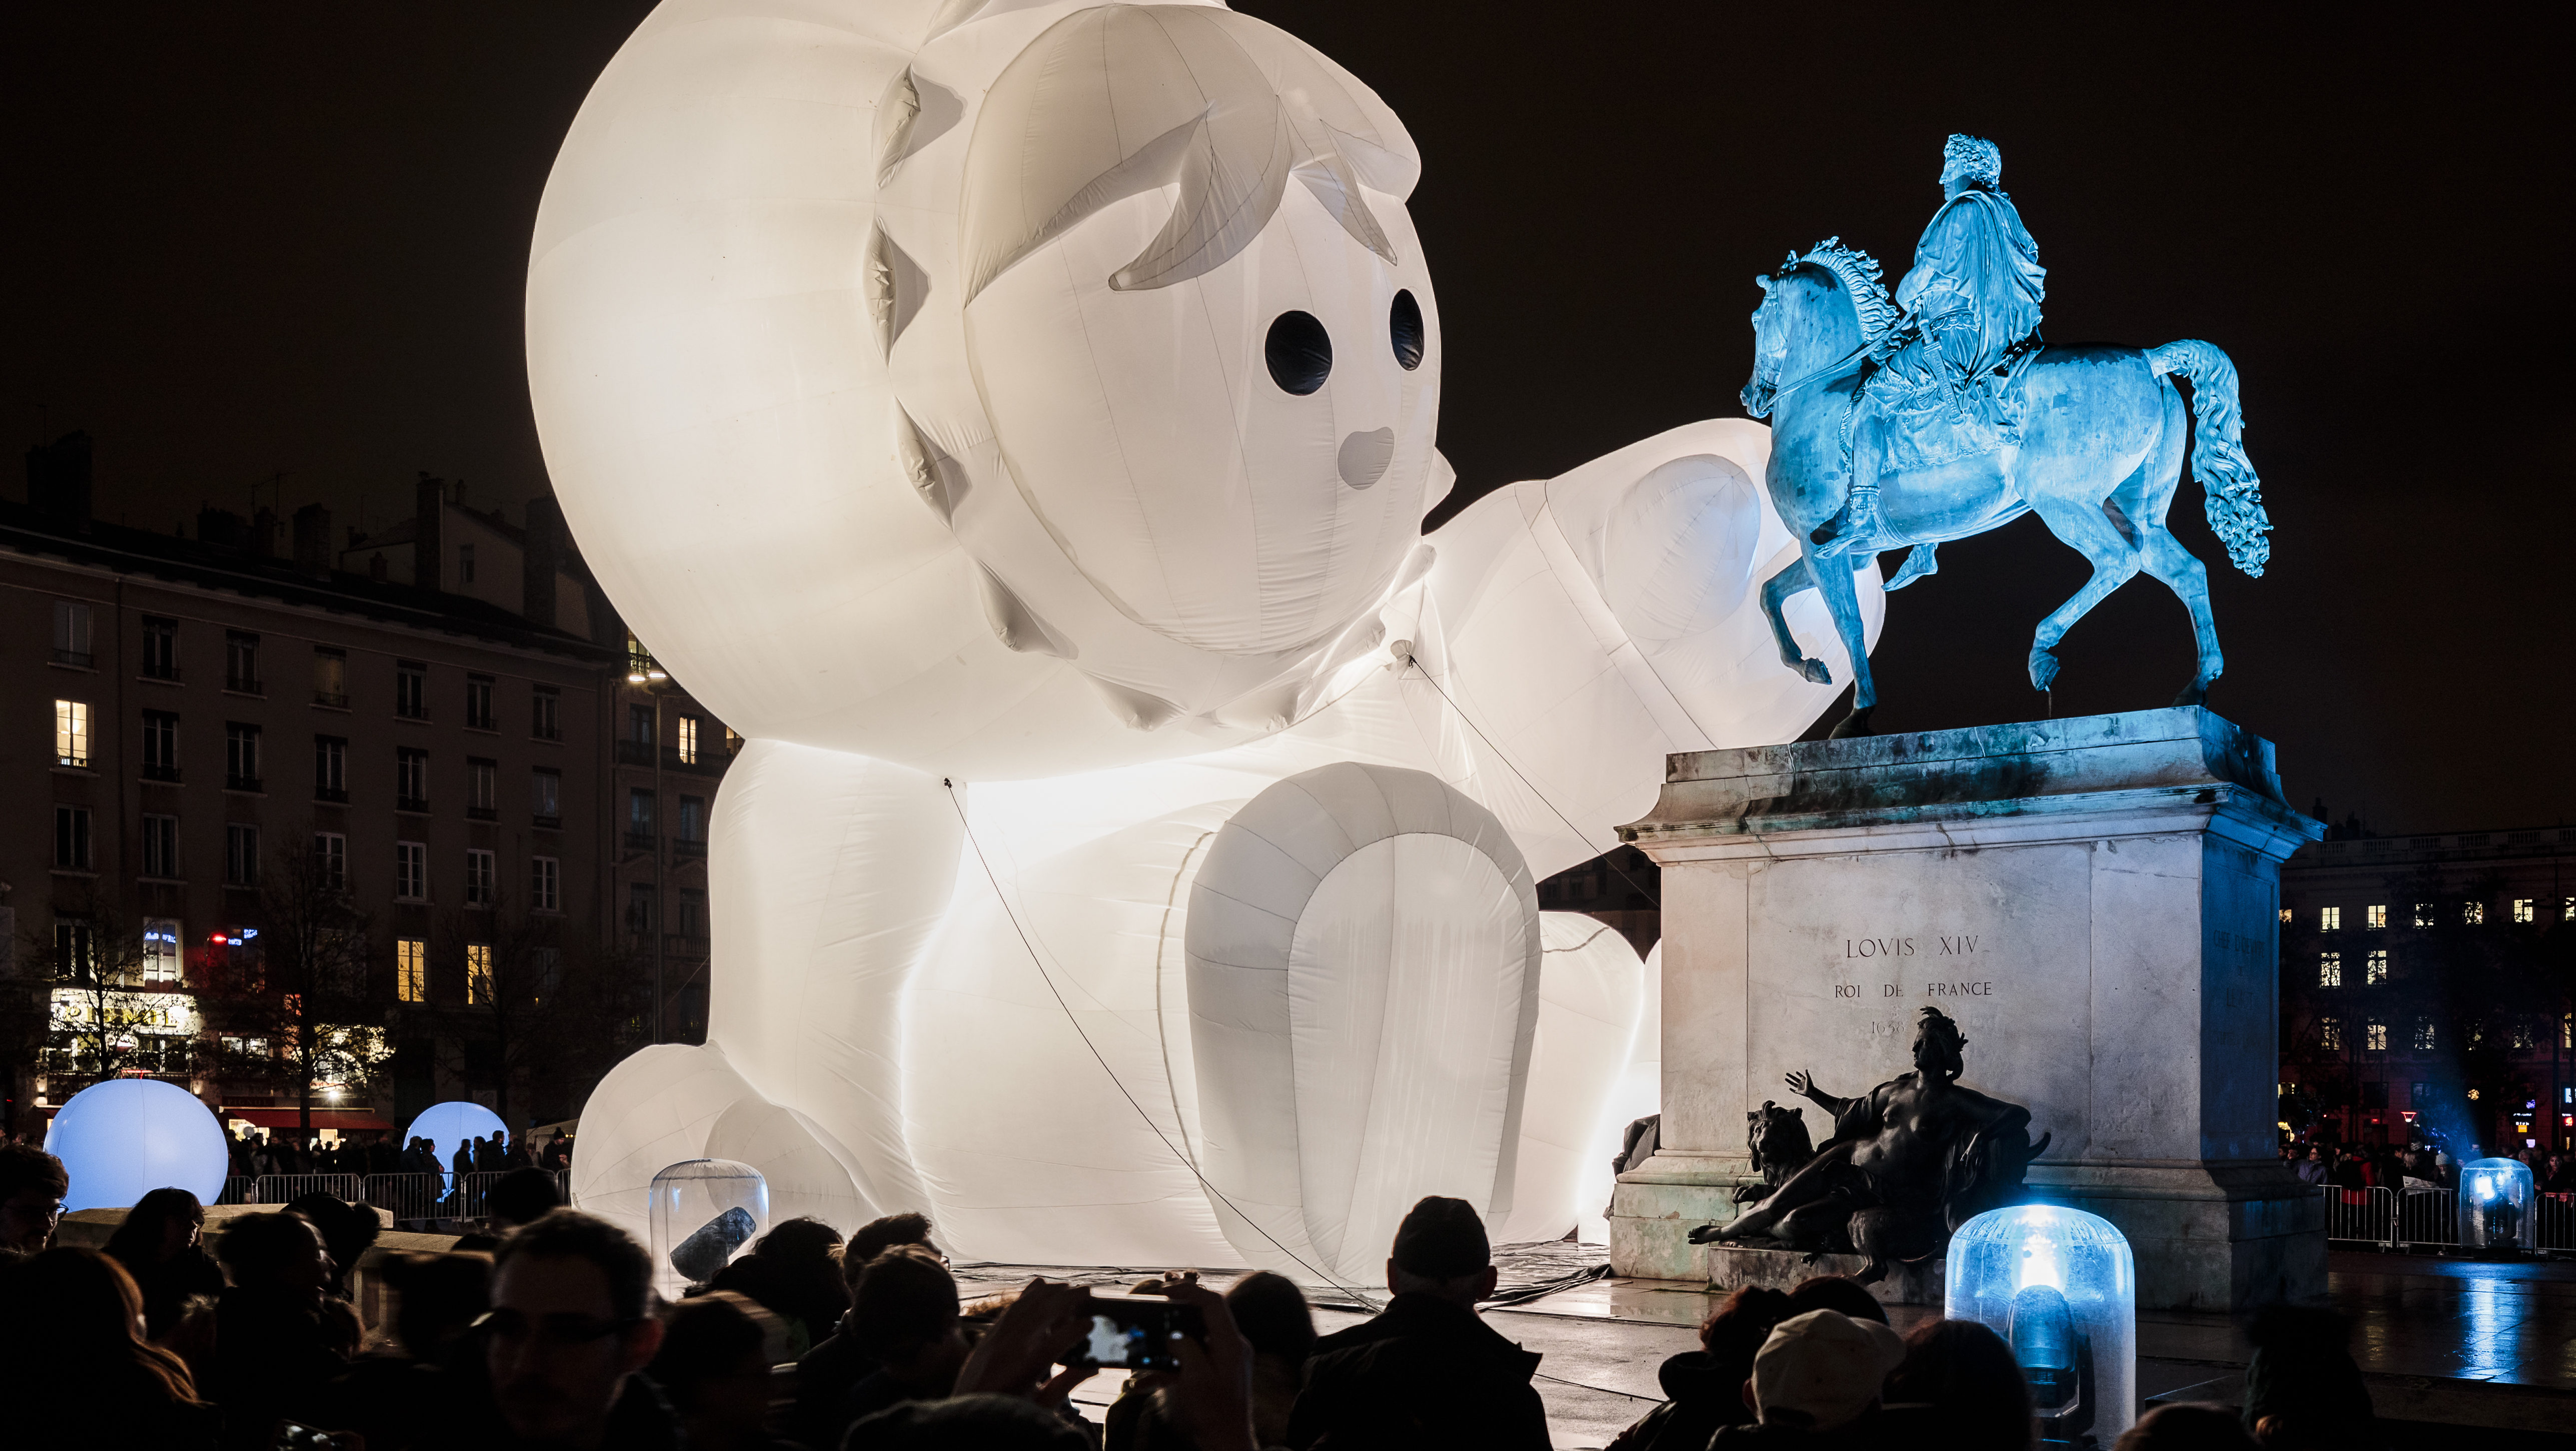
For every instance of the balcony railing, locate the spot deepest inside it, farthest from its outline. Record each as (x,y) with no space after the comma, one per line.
(642,841)
(683,944)
(335,699)
(708,762)
(80,658)
(244,685)
(635,753)
(153,672)
(481,813)
(416,805)
(240,783)
(682,846)
(336,795)
(154,771)
(546,823)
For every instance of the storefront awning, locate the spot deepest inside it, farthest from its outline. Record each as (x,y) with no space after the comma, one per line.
(343,1119)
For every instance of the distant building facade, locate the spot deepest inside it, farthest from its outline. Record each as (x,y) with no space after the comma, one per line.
(2424,989)
(453,740)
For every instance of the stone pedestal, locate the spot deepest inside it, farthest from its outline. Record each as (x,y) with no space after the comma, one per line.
(2096,901)
(1732,1267)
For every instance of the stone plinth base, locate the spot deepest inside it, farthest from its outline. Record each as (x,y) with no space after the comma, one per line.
(1733,1267)
(2094,902)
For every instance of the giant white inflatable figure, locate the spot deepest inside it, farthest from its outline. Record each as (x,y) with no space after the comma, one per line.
(1016,418)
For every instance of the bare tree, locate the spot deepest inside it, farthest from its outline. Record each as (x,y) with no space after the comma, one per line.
(294,1013)
(92,955)
(542,1002)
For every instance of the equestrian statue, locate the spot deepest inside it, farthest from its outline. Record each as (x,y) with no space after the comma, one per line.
(1940,414)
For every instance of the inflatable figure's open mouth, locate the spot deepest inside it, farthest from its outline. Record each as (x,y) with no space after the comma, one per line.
(1364,456)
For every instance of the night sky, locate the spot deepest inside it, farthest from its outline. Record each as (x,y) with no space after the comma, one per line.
(253,241)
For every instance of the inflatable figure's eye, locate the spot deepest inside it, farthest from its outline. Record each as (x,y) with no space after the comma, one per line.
(1299,352)
(1404,324)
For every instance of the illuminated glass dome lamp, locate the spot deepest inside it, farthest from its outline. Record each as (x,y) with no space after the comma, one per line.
(2496,1206)
(703,1211)
(2061,1287)
(125,1137)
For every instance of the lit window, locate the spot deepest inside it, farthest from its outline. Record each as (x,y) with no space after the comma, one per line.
(411,871)
(241,854)
(71,838)
(478,975)
(2376,917)
(2330,1033)
(545,884)
(478,878)
(331,679)
(2374,970)
(2425,1039)
(2374,1036)
(2423,914)
(71,633)
(2285,916)
(2473,913)
(640,665)
(685,739)
(2329,919)
(411,970)
(161,847)
(2329,969)
(2525,909)
(331,859)
(71,733)
(160,950)
(2523,1037)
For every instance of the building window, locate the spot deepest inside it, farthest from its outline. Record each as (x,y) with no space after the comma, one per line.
(71,733)
(160,950)
(479,789)
(411,871)
(330,768)
(71,838)
(639,818)
(545,796)
(478,702)
(545,971)
(71,634)
(331,859)
(2285,916)
(241,756)
(2525,910)
(2329,969)
(693,913)
(2424,1039)
(331,679)
(411,779)
(545,884)
(2423,914)
(2374,1036)
(478,878)
(160,746)
(2374,971)
(161,847)
(478,974)
(411,690)
(411,970)
(639,909)
(160,648)
(640,665)
(75,950)
(464,564)
(2523,1036)
(2330,1034)
(241,663)
(2376,917)
(2329,919)
(684,739)
(693,818)
(639,724)
(545,714)
(2473,914)
(241,854)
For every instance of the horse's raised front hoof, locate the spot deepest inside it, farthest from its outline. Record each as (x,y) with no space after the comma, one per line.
(1852,725)
(1816,671)
(2043,670)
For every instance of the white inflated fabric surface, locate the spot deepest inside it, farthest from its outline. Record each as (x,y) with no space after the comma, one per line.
(905,370)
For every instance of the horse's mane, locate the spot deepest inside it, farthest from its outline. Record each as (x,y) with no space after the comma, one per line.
(1858,272)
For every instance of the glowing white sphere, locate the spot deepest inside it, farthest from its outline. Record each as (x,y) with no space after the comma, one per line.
(450,1124)
(126,1137)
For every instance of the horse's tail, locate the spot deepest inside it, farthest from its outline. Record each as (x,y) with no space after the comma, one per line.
(2232,495)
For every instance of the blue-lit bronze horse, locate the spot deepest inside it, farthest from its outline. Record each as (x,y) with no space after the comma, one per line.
(2097,453)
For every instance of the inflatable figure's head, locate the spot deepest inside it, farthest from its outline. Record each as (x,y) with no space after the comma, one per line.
(1047,389)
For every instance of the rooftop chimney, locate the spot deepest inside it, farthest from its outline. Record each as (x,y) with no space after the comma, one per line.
(313,541)
(431,501)
(58,477)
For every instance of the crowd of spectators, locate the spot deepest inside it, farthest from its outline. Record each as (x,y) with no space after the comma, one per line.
(2414,1168)
(255,1155)
(553,1337)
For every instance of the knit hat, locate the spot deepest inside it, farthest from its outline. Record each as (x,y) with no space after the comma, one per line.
(1824,1367)
(1441,1239)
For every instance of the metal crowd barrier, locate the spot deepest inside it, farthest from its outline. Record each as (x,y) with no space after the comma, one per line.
(2428,1218)
(2421,1219)
(2360,1216)
(404,1196)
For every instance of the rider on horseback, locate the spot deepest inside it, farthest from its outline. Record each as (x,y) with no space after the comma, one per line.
(1971,307)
